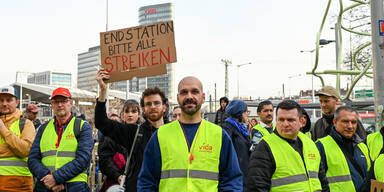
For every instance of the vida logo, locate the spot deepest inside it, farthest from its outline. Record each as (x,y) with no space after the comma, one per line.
(70,136)
(205,148)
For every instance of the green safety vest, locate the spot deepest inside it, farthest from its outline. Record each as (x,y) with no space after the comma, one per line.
(375,144)
(14,165)
(379,168)
(54,158)
(338,173)
(292,174)
(178,173)
(263,130)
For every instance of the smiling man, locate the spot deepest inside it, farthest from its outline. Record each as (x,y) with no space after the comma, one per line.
(286,160)
(344,155)
(190,154)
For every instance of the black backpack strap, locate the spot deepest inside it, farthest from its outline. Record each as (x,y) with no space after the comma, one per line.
(21,124)
(77,127)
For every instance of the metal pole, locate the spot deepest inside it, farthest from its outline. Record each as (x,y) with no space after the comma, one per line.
(313,91)
(377,14)
(337,58)
(127,94)
(238,86)
(107,90)
(215,97)
(226,63)
(21,96)
(106,25)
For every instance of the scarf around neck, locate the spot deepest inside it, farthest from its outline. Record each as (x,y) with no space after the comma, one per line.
(240,127)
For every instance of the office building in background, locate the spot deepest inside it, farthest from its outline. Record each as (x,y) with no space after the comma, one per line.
(51,78)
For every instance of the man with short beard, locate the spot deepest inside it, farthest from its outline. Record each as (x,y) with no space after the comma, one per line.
(153,103)
(62,150)
(190,154)
(16,138)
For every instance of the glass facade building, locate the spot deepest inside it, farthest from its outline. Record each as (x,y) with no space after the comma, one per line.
(51,78)
(148,15)
(87,66)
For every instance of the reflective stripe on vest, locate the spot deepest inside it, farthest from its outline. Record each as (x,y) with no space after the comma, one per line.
(291,172)
(338,173)
(53,158)
(375,144)
(14,166)
(263,130)
(177,173)
(379,168)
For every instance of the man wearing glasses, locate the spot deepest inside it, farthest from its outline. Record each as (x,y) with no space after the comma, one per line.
(62,150)
(153,103)
(32,111)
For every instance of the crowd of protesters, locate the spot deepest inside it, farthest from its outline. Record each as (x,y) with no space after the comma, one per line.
(141,149)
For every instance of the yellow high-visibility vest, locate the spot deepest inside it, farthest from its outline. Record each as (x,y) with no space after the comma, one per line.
(54,158)
(338,173)
(14,165)
(178,172)
(291,173)
(375,144)
(379,168)
(263,130)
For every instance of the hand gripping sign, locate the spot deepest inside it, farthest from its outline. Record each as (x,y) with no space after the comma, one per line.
(140,51)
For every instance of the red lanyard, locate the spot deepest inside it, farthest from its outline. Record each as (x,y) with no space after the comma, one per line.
(191,157)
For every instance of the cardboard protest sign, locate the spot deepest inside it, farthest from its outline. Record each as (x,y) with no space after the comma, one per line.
(140,51)
(376,186)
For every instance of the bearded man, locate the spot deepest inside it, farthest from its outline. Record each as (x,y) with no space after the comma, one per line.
(153,104)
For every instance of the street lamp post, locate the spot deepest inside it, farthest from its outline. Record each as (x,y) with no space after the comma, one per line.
(21,87)
(311,52)
(313,91)
(238,84)
(289,81)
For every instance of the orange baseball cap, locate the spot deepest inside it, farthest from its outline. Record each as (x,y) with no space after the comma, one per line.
(62,92)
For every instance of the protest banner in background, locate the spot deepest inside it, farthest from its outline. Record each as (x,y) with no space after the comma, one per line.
(141,51)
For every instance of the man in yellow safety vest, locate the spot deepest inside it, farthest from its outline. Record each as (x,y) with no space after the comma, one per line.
(16,137)
(190,154)
(286,160)
(62,150)
(344,154)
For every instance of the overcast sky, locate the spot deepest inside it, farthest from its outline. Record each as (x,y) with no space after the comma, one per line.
(45,35)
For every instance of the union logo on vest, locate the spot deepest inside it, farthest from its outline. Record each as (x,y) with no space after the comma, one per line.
(70,136)
(205,148)
(312,156)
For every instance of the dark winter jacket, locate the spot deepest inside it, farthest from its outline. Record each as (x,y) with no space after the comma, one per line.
(242,145)
(107,150)
(323,126)
(262,166)
(221,115)
(69,170)
(359,177)
(124,134)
